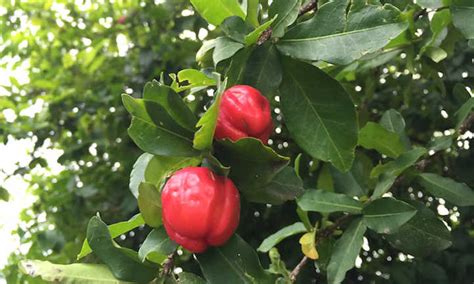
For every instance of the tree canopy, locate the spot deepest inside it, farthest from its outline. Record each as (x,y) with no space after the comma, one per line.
(367,176)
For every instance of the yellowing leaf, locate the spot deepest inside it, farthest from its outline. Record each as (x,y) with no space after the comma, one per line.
(308,245)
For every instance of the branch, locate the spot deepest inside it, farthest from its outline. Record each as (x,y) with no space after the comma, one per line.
(267,34)
(466,124)
(321,235)
(168,264)
(313,4)
(297,269)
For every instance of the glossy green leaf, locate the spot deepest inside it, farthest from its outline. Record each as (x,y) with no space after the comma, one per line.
(257,170)
(123,263)
(149,203)
(157,246)
(194,78)
(280,235)
(454,192)
(385,182)
(207,123)
(252,12)
(393,121)
(115,230)
(171,102)
(235,262)
(345,251)
(235,28)
(189,278)
(253,36)
(69,274)
(327,202)
(215,11)
(319,114)
(424,234)
(387,214)
(439,27)
(463,13)
(224,49)
(397,166)
(440,143)
(356,181)
(375,136)
(259,68)
(286,12)
(159,140)
(364,30)
(154,169)
(464,111)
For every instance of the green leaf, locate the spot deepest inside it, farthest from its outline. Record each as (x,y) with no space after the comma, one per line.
(455,192)
(252,13)
(115,230)
(327,202)
(364,30)
(286,12)
(433,4)
(375,136)
(253,36)
(279,236)
(463,112)
(224,49)
(257,170)
(171,102)
(235,262)
(387,214)
(397,166)
(345,251)
(424,234)
(235,28)
(157,246)
(259,68)
(68,274)
(189,278)
(194,79)
(463,13)
(355,182)
(207,123)
(319,114)
(4,195)
(154,169)
(123,263)
(149,202)
(385,182)
(215,11)
(159,140)
(393,121)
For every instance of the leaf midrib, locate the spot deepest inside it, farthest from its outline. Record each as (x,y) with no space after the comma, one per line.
(336,204)
(319,118)
(165,130)
(428,180)
(338,34)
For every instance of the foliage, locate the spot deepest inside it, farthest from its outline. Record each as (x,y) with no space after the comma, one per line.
(372,107)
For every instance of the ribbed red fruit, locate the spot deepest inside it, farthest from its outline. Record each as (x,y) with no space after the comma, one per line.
(244,112)
(200,208)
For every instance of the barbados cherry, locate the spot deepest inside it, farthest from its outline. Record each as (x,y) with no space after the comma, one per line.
(244,112)
(200,209)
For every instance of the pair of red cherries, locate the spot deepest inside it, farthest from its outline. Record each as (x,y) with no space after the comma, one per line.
(200,208)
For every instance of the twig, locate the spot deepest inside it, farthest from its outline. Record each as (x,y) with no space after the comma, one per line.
(267,34)
(466,124)
(420,13)
(313,4)
(168,265)
(297,269)
(321,235)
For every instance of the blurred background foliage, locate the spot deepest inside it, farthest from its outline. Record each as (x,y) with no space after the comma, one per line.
(80,56)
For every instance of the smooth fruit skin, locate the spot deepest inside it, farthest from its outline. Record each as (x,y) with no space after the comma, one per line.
(244,112)
(200,209)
